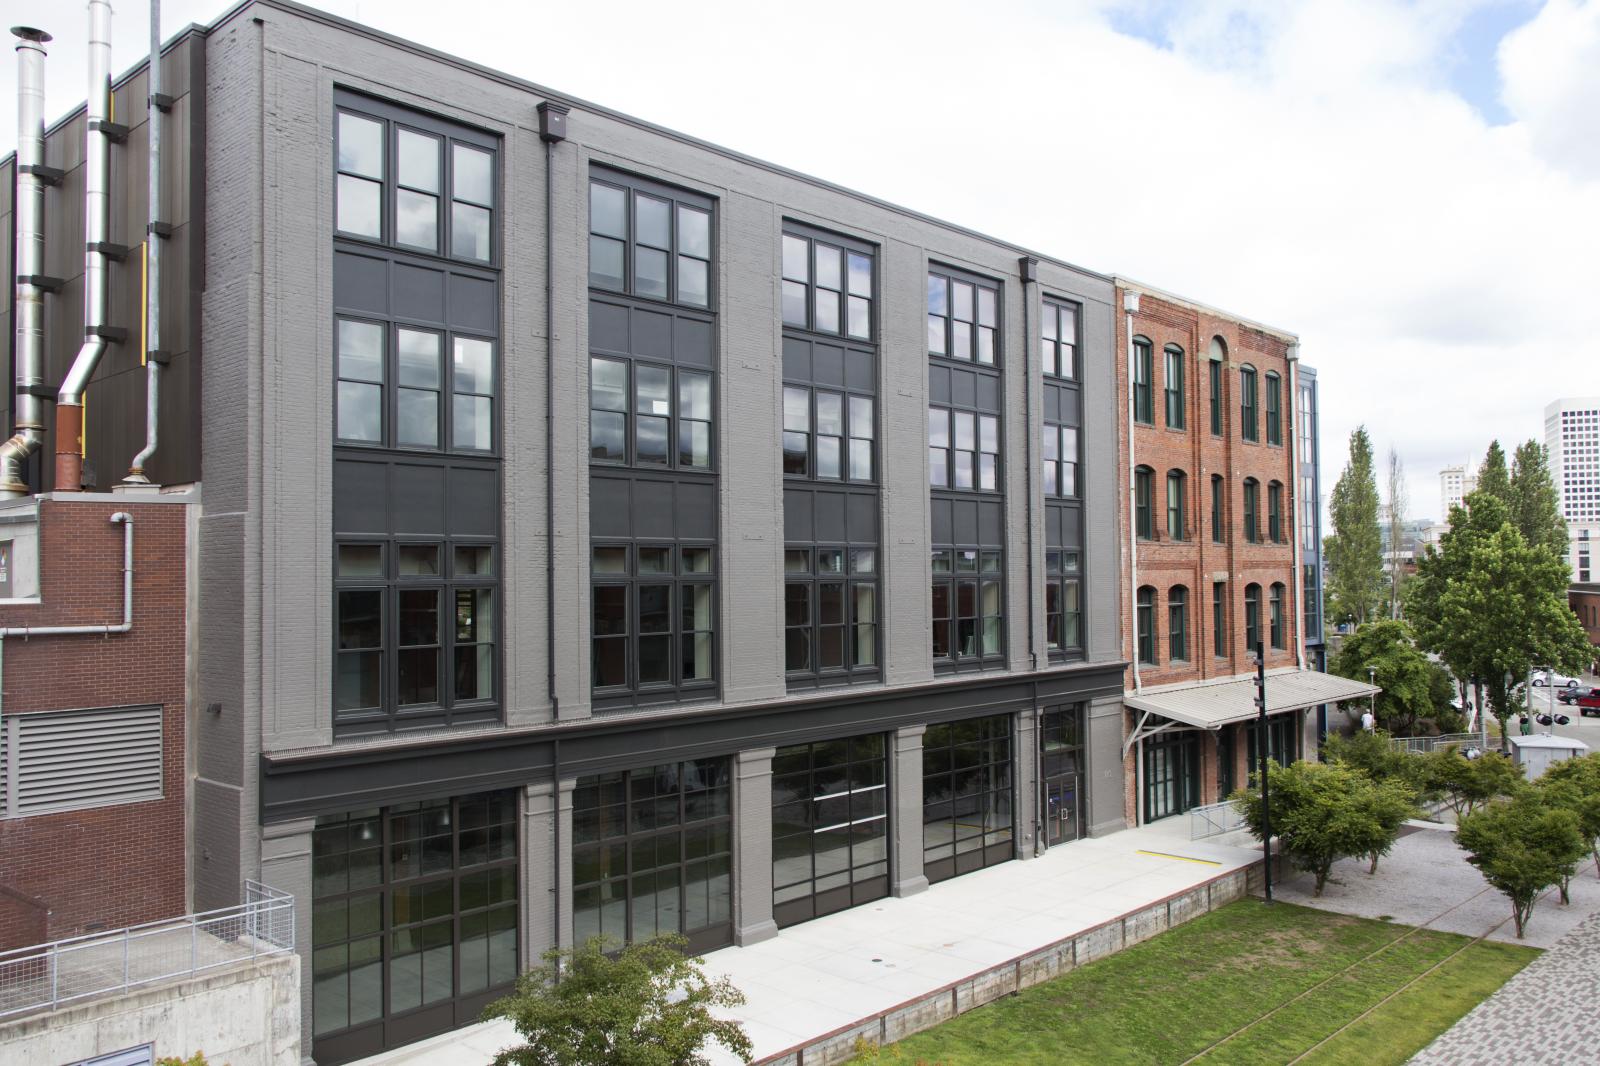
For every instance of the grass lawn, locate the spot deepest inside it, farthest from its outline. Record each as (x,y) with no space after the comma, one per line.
(1190,991)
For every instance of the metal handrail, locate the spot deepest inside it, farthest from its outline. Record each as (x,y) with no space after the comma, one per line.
(46,976)
(1422,745)
(1214,819)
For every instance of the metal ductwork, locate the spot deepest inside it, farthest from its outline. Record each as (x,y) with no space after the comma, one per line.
(29,263)
(152,366)
(96,267)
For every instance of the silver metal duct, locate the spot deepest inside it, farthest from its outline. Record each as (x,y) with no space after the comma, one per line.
(96,222)
(152,366)
(29,263)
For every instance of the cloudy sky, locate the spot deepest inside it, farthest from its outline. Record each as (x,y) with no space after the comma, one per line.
(1413,187)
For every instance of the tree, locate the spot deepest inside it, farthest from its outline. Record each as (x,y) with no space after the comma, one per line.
(1371,753)
(648,1005)
(1397,524)
(1405,674)
(1522,847)
(1387,805)
(1492,476)
(1575,784)
(1470,784)
(1534,504)
(1321,813)
(1354,553)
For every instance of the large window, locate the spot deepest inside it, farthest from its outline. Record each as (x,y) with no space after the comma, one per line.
(828,435)
(963,449)
(1143,489)
(1060,347)
(1062,765)
(1143,401)
(1249,429)
(416,388)
(827,287)
(830,611)
(1063,601)
(1178,623)
(968,605)
(1176,485)
(966,796)
(652,853)
(1274,409)
(1171,773)
(413,920)
(654,616)
(407,180)
(1219,619)
(641,414)
(1252,617)
(650,241)
(830,827)
(1252,510)
(1174,386)
(1275,512)
(1214,372)
(1060,461)
(1279,636)
(1282,743)
(1217,497)
(1145,624)
(963,319)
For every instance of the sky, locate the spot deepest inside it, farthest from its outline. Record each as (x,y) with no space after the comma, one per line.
(1412,186)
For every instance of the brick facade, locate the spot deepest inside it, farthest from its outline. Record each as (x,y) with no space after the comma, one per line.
(1585,603)
(1195,561)
(72,872)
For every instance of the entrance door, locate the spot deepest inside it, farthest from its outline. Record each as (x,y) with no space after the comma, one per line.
(1061,810)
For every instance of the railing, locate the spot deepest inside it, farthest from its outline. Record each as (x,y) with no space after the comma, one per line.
(51,975)
(1213,820)
(1423,745)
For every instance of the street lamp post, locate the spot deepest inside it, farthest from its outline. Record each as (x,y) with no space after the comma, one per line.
(1261,762)
(1372,697)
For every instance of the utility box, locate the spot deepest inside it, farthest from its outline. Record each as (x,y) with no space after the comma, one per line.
(1536,754)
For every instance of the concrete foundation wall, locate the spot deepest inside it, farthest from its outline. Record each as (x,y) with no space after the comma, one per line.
(247,1015)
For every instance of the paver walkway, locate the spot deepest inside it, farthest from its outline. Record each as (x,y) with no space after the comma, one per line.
(1549,1013)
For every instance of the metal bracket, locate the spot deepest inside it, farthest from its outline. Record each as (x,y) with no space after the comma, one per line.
(112,334)
(44,392)
(160,229)
(162,102)
(111,131)
(41,281)
(159,356)
(43,174)
(119,252)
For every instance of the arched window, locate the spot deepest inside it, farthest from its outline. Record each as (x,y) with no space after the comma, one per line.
(1248,428)
(1279,637)
(1145,619)
(1275,512)
(1178,623)
(1274,410)
(1174,386)
(1252,616)
(1252,509)
(1219,619)
(1176,484)
(1218,358)
(1143,523)
(1143,401)
(1216,508)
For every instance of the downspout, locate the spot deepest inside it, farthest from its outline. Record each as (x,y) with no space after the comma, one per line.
(152,354)
(1030,288)
(96,168)
(1130,306)
(552,130)
(1290,404)
(29,299)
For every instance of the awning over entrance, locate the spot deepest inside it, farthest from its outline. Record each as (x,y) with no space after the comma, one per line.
(1214,704)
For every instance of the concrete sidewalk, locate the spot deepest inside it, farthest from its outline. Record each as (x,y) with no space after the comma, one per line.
(894,966)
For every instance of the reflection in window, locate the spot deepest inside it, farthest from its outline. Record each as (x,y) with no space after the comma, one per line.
(967,605)
(649,241)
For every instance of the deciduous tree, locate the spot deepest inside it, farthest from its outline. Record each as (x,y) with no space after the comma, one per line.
(1522,847)
(1405,674)
(1576,783)
(1470,784)
(1534,504)
(1354,553)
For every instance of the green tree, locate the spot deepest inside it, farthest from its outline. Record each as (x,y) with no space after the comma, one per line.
(1371,753)
(1321,813)
(1354,553)
(1406,675)
(647,1005)
(1522,847)
(1492,476)
(1534,504)
(1387,805)
(1576,784)
(1470,784)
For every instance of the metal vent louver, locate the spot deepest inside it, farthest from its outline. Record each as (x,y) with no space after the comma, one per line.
(68,760)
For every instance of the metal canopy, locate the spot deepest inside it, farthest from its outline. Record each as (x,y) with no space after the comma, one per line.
(1214,704)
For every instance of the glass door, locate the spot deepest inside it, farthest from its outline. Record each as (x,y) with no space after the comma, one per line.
(1061,811)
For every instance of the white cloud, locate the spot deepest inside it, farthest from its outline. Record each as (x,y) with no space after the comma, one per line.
(1551,73)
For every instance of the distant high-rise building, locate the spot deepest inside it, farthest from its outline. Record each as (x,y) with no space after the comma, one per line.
(1454,484)
(1572,438)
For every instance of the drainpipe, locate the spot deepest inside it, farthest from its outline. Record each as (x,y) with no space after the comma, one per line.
(552,131)
(1293,405)
(96,168)
(29,301)
(1130,305)
(152,354)
(1030,289)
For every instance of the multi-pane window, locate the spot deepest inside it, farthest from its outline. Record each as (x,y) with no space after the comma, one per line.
(1217,497)
(1214,370)
(1063,601)
(1178,623)
(1143,400)
(411,182)
(1060,340)
(1252,509)
(830,827)
(650,241)
(968,605)
(1143,489)
(830,610)
(1275,511)
(1308,586)
(1279,637)
(1219,619)
(826,287)
(967,795)
(653,616)
(410,387)
(1060,460)
(963,449)
(641,414)
(828,435)
(1252,616)
(1248,427)
(1173,390)
(1145,624)
(1176,483)
(1274,409)
(963,319)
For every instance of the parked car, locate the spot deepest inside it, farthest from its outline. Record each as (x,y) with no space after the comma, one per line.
(1542,678)
(1586,700)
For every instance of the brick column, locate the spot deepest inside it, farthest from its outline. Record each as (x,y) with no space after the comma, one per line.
(752,848)
(905,790)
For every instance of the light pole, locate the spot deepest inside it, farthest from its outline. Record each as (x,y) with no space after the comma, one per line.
(1261,762)
(1372,697)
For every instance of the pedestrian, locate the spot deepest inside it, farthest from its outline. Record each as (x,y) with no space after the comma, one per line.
(1527,726)
(1368,723)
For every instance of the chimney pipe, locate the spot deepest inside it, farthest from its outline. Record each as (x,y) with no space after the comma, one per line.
(29,301)
(96,211)
(152,344)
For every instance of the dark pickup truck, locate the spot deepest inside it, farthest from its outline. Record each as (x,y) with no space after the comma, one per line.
(1587,700)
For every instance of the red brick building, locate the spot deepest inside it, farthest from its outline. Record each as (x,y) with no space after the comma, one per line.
(93,807)
(1209,519)
(1585,602)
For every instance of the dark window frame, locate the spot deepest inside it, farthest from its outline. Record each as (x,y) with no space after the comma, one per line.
(1218,505)
(1059,474)
(948,326)
(817,244)
(1252,510)
(1274,409)
(1219,619)
(1177,505)
(1275,528)
(675,417)
(1145,635)
(680,578)
(1143,491)
(1063,603)
(1178,624)
(634,188)
(978,453)
(1172,385)
(949,581)
(1054,318)
(972,758)
(1143,386)
(849,577)
(1249,428)
(1215,372)
(1252,617)
(817,798)
(1278,634)
(813,435)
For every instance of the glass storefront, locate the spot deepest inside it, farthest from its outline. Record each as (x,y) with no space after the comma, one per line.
(652,853)
(1282,742)
(966,796)
(830,826)
(413,921)
(1171,773)
(1061,769)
